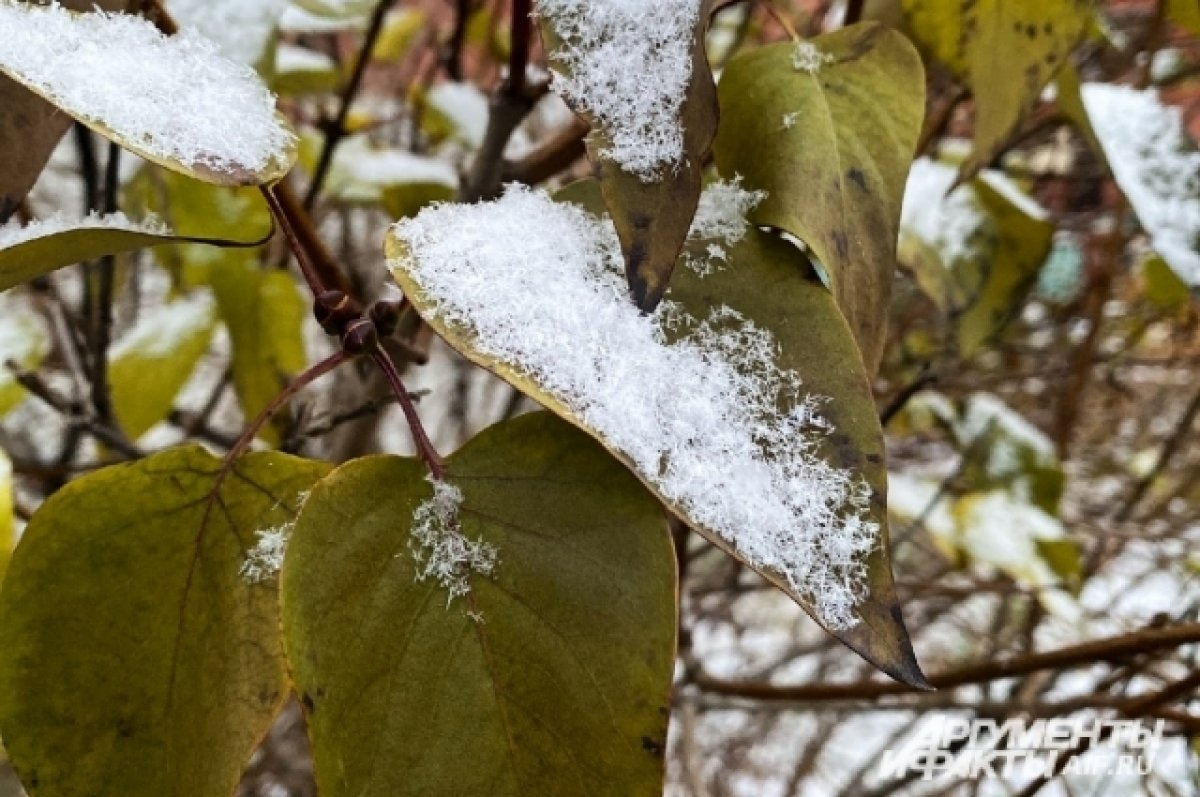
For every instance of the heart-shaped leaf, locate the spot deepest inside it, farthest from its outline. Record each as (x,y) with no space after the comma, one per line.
(828,129)
(45,246)
(639,74)
(1005,50)
(173,100)
(703,400)
(137,659)
(547,674)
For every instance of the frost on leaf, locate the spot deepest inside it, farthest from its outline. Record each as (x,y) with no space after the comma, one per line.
(627,64)
(1157,166)
(265,559)
(721,220)
(174,99)
(439,548)
(809,58)
(693,404)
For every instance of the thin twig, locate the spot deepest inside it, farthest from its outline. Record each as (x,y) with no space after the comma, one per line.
(1110,649)
(336,130)
(102,313)
(424,446)
(299,383)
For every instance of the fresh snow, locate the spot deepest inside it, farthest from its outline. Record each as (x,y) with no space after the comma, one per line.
(440,550)
(949,222)
(241,29)
(175,98)
(292,58)
(358,162)
(159,332)
(954,222)
(691,402)
(627,64)
(809,58)
(13,233)
(265,559)
(1156,164)
(300,20)
(721,216)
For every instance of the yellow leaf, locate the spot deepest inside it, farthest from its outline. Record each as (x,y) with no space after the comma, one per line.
(1005,50)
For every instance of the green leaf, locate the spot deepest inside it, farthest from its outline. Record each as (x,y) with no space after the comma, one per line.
(25,343)
(399,33)
(7,533)
(1070,103)
(262,307)
(137,660)
(559,685)
(831,146)
(770,283)
(337,9)
(1163,286)
(1186,14)
(653,216)
(303,71)
(1005,50)
(201,210)
(264,311)
(40,249)
(149,367)
(233,135)
(1002,449)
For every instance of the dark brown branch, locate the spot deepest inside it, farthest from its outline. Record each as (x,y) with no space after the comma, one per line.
(336,130)
(518,56)
(102,313)
(854,12)
(555,154)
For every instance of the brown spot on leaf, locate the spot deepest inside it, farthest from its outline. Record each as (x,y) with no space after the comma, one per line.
(652,746)
(857,177)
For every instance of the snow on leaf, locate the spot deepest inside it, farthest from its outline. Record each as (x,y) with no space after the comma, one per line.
(175,100)
(439,548)
(720,219)
(241,29)
(948,221)
(1156,164)
(266,557)
(627,63)
(13,233)
(361,171)
(672,393)
(809,58)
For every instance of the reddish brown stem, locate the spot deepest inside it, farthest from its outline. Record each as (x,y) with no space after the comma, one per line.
(425,449)
(315,285)
(299,383)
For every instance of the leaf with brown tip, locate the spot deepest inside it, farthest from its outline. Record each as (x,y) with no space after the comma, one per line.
(652,209)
